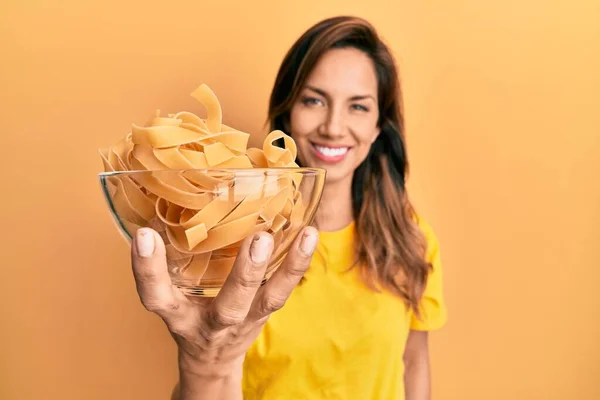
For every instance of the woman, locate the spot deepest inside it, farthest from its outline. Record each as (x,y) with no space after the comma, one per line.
(357,314)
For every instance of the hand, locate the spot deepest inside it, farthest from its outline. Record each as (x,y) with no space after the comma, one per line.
(213,335)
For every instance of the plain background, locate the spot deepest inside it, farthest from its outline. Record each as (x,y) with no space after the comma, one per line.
(504,139)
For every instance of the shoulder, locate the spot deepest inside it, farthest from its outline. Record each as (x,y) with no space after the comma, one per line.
(425,226)
(430,235)
(433,304)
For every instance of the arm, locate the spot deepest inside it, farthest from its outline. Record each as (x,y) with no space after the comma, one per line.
(213,335)
(417,380)
(198,389)
(194,386)
(417,376)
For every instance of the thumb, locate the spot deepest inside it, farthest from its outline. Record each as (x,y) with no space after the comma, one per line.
(154,286)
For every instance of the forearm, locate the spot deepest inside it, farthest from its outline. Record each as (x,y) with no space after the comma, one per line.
(192,388)
(196,383)
(417,379)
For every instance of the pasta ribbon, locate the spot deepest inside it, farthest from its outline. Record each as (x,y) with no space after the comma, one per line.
(181,184)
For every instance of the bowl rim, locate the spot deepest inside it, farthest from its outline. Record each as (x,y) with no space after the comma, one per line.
(236,171)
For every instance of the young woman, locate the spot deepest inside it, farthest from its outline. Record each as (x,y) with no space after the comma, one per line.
(357,314)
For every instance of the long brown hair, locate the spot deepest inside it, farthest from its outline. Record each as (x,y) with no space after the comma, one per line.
(390,246)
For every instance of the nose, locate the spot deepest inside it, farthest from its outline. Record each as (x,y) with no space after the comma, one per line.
(333,125)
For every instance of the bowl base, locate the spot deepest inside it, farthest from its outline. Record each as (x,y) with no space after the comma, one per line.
(198,291)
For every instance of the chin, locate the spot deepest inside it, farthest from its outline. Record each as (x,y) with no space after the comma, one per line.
(335,174)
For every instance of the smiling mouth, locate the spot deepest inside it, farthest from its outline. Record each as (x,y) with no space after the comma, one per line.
(330,154)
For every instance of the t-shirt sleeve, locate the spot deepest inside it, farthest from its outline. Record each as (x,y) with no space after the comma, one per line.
(433,305)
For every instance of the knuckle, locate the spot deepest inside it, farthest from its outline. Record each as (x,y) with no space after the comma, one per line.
(182,330)
(297,267)
(225,318)
(152,306)
(162,308)
(208,333)
(144,274)
(146,277)
(271,304)
(248,280)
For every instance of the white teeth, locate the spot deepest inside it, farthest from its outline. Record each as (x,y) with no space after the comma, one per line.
(329,152)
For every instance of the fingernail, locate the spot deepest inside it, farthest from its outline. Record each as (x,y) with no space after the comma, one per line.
(259,250)
(309,243)
(145,243)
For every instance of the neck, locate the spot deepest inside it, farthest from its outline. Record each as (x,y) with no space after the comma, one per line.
(335,208)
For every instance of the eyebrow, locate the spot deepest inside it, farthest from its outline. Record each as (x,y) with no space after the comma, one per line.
(353,98)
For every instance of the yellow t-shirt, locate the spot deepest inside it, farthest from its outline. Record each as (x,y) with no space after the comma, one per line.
(335,338)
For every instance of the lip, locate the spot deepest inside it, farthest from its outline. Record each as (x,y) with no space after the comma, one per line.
(329,159)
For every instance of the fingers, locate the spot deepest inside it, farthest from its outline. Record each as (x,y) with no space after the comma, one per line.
(273,295)
(231,305)
(154,286)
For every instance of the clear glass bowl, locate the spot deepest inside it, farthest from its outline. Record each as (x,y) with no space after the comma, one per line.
(203,215)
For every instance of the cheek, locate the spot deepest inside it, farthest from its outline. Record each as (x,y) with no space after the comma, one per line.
(302,122)
(364,141)
(366,134)
(369,138)
(300,128)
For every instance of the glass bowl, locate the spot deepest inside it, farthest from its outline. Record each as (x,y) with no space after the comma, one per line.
(203,215)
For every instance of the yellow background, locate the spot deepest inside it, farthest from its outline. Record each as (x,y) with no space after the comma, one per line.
(504,138)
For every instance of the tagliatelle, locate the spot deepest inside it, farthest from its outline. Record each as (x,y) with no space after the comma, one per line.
(201,209)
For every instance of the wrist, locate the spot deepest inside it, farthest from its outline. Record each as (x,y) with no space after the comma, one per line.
(200,380)
(201,369)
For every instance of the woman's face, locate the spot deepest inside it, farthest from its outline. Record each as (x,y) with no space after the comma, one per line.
(334,120)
